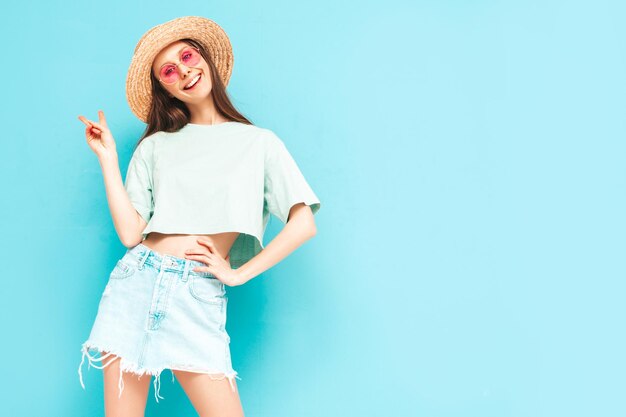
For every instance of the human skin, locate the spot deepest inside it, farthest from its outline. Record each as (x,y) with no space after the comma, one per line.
(210,249)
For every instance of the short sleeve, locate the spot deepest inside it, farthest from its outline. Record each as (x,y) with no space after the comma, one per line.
(138,182)
(285,184)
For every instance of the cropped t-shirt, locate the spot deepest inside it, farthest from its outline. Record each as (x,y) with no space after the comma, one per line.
(205,179)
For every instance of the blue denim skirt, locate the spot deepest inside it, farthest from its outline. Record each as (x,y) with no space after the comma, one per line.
(155,313)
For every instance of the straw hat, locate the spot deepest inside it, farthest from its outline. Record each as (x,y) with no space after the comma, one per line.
(208,33)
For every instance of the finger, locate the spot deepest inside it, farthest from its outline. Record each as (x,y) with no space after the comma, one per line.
(208,244)
(201,258)
(196,255)
(85,121)
(98,125)
(198,251)
(102,118)
(91,129)
(204,268)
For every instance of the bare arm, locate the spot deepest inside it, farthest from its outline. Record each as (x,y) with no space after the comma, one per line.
(299,228)
(126,220)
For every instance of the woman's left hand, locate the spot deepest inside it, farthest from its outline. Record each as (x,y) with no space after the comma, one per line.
(216,265)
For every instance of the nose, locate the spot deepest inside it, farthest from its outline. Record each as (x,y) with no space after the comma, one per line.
(183,70)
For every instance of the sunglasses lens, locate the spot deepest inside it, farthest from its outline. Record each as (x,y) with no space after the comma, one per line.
(169,74)
(189,57)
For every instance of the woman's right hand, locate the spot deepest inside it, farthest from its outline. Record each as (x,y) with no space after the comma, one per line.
(99,136)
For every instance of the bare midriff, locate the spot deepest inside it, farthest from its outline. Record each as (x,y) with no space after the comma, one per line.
(177,244)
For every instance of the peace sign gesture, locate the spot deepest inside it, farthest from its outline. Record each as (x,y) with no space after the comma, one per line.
(99,136)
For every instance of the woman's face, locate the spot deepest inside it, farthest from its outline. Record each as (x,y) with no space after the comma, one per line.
(172,60)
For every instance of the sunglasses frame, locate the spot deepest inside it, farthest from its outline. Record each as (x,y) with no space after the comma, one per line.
(176,65)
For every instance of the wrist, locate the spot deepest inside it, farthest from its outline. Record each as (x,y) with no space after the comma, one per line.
(108,158)
(240,277)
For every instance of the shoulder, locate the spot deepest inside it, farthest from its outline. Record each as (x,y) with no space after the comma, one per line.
(150,140)
(269,138)
(253,134)
(145,147)
(237,132)
(252,131)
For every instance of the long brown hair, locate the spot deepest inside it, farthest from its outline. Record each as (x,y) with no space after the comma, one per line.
(169,114)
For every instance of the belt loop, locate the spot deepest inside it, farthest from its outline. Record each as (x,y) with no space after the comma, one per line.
(143,260)
(186,270)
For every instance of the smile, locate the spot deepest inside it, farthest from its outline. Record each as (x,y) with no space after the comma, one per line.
(193,82)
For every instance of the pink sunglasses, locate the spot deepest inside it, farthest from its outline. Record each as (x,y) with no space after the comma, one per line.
(190,56)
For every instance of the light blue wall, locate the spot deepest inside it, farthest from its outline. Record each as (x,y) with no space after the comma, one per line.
(470,159)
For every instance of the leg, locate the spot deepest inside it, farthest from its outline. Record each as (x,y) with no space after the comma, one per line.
(132,402)
(211,395)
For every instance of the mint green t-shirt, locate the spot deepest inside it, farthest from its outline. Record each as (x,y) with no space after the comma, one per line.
(206,179)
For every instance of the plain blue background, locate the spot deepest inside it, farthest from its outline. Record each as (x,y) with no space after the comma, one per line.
(469,157)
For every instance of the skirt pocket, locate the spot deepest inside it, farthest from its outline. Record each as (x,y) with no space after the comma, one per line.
(207,290)
(122,270)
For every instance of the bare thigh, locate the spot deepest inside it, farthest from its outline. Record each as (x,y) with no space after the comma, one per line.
(211,397)
(132,402)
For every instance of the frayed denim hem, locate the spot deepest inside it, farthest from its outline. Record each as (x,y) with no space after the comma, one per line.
(132,367)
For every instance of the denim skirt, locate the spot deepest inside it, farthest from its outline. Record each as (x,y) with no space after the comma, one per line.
(155,313)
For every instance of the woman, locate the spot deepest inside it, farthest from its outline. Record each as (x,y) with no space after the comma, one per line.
(199,189)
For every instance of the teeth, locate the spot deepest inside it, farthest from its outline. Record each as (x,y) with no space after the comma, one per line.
(193,82)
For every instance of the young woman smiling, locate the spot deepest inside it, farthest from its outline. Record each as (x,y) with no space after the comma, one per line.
(199,190)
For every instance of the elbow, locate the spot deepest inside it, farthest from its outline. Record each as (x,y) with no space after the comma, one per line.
(301,216)
(127,243)
(132,235)
(304,229)
(311,228)
(131,241)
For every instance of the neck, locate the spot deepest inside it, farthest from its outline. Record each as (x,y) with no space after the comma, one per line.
(204,113)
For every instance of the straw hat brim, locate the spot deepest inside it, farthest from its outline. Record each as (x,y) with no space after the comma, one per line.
(205,31)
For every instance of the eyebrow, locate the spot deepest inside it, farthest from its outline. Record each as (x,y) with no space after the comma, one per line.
(178,54)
